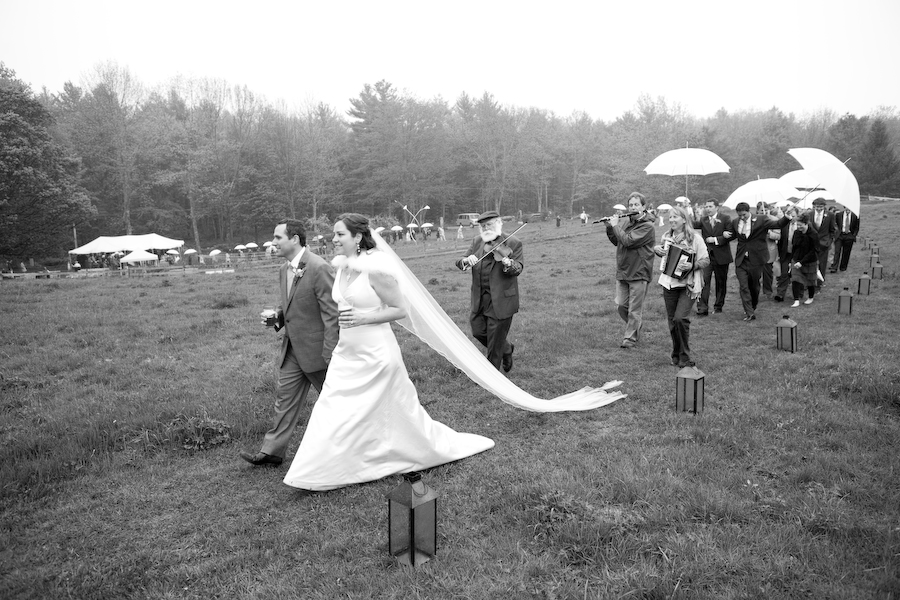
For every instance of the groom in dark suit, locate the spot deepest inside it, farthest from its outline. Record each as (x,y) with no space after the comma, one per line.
(822,222)
(495,287)
(309,316)
(713,226)
(751,254)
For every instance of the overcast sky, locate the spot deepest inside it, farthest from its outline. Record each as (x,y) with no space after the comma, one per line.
(561,55)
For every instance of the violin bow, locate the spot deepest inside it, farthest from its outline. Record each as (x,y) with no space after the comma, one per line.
(501,243)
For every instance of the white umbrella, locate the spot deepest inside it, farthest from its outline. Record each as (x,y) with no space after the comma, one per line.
(318,237)
(267,244)
(379,229)
(190,251)
(662,206)
(800,179)
(831,174)
(427,224)
(412,226)
(173,252)
(240,247)
(768,190)
(215,252)
(687,161)
(251,245)
(396,228)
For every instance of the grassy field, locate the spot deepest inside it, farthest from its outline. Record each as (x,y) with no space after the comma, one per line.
(125,402)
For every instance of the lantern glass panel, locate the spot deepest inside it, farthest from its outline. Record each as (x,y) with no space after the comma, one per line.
(425,517)
(399,525)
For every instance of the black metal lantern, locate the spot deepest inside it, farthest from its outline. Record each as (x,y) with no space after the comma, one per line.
(874,260)
(877,271)
(412,521)
(689,384)
(786,337)
(845,302)
(864,284)
(874,249)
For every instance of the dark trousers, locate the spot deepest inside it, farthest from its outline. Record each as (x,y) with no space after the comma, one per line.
(797,290)
(784,278)
(290,401)
(842,248)
(768,277)
(678,310)
(748,281)
(721,273)
(822,254)
(492,332)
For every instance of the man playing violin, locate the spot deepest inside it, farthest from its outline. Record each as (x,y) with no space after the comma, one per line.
(496,263)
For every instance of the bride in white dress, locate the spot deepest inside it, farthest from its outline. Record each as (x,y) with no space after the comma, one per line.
(368,422)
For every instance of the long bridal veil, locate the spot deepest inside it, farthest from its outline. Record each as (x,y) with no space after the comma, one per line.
(428,321)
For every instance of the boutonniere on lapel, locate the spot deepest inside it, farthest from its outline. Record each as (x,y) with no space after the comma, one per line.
(298,274)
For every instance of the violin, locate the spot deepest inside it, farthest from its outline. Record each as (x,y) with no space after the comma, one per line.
(501,251)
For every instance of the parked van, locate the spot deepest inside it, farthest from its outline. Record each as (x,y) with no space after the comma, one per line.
(469,219)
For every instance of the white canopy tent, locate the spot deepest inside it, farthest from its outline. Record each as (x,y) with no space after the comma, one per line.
(126,243)
(140,257)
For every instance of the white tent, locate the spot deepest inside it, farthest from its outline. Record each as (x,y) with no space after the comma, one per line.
(106,244)
(140,256)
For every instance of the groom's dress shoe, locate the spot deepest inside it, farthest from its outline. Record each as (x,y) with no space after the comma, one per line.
(261,458)
(507,360)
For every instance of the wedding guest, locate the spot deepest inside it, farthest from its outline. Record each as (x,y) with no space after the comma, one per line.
(805,249)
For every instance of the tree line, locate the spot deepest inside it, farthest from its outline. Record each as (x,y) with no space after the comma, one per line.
(215,163)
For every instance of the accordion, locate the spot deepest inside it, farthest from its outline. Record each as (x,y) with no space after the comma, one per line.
(677,262)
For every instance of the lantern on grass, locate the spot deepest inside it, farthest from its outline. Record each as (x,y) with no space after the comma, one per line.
(845,302)
(689,390)
(877,271)
(874,249)
(412,521)
(786,337)
(874,260)
(865,282)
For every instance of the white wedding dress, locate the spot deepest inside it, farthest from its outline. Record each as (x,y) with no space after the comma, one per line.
(368,423)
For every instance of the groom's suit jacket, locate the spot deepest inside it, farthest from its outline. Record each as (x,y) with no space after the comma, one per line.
(753,247)
(720,252)
(308,313)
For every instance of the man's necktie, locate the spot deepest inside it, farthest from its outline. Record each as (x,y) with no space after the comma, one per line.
(847,222)
(818,219)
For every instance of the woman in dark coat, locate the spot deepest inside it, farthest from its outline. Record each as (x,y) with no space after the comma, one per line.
(804,260)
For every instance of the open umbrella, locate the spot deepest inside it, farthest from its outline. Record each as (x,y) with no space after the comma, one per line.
(831,174)
(267,244)
(240,247)
(190,251)
(687,161)
(427,224)
(662,206)
(768,190)
(622,206)
(251,245)
(172,252)
(800,179)
(215,252)
(379,229)
(412,226)
(396,228)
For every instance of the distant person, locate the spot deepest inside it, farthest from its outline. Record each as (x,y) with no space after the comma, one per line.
(459,233)
(634,238)
(496,265)
(847,227)
(309,315)
(584,217)
(785,252)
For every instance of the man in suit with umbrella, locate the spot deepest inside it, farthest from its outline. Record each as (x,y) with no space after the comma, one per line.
(847,226)
(309,316)
(712,226)
(751,254)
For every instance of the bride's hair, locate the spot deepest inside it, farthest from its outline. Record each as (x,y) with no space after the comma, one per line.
(357,223)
